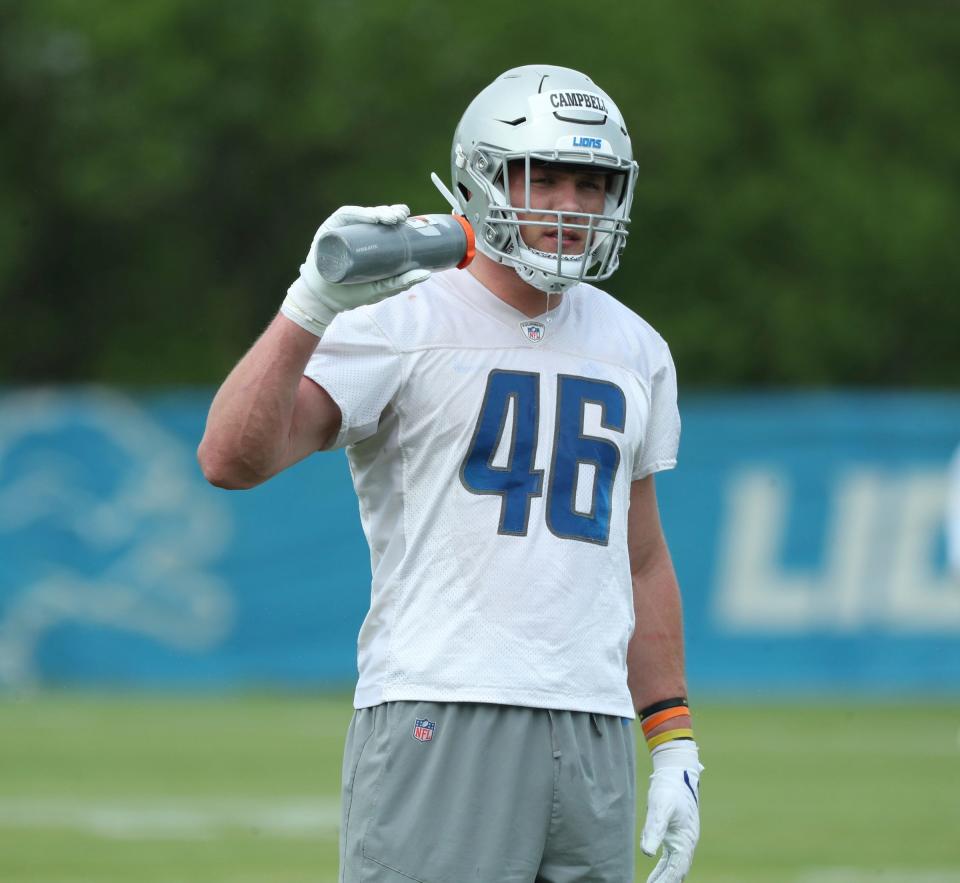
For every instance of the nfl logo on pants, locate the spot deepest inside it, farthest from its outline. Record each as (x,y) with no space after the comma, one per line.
(423,730)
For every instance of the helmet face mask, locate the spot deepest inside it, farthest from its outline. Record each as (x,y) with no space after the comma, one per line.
(539,116)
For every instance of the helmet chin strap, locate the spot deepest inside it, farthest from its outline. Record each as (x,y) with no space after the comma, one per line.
(446,194)
(540,277)
(546,292)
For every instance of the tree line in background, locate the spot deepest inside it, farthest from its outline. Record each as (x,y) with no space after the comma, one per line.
(164,163)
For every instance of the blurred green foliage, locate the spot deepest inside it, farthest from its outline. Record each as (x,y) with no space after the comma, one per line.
(164,163)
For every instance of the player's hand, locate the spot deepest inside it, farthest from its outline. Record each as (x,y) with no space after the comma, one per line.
(312,302)
(673,810)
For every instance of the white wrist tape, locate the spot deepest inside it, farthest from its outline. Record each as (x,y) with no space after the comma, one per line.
(302,306)
(681,753)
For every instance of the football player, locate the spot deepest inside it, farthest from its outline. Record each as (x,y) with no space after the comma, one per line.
(503,425)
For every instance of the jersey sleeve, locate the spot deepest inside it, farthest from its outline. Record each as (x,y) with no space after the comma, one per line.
(360,369)
(662,437)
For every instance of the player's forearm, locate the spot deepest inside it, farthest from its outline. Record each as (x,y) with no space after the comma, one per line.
(655,663)
(249,425)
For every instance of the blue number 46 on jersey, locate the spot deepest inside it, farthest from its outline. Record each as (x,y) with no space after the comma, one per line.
(515,396)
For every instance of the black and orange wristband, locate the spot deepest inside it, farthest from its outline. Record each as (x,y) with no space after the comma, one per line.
(653,717)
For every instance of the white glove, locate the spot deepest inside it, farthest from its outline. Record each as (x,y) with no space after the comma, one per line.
(312,302)
(673,810)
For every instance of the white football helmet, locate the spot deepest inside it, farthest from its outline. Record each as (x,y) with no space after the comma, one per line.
(543,114)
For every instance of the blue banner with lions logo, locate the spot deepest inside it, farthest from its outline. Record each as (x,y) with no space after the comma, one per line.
(807,531)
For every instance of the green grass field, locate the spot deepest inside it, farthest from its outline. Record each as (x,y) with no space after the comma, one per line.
(244,789)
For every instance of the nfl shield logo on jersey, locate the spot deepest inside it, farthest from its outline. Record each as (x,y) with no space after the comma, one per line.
(423,730)
(533,331)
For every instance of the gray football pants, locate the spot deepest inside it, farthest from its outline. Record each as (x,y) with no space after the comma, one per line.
(471,793)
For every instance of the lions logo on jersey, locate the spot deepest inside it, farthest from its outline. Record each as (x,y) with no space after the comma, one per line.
(533,331)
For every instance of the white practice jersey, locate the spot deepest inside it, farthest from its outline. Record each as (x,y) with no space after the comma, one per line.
(492,456)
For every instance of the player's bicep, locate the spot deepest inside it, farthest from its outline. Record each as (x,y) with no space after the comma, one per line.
(315,423)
